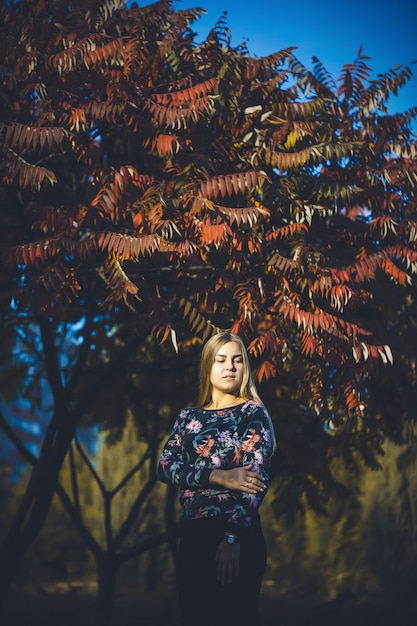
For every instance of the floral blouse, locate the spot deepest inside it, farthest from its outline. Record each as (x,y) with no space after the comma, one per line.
(206,439)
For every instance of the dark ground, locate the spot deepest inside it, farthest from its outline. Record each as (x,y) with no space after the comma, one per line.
(76,608)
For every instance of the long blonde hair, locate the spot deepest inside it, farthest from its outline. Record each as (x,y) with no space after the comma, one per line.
(247,389)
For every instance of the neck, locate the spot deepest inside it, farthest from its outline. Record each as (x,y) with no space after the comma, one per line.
(222,401)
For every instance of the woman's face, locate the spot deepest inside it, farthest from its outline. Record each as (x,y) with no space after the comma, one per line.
(228,368)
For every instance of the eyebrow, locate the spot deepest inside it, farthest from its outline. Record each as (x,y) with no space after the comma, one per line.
(225,355)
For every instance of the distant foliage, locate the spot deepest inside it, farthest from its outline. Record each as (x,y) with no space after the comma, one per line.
(366,543)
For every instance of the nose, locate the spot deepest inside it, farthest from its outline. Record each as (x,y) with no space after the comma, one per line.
(230,365)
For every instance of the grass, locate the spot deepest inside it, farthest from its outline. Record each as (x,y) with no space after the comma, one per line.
(77,608)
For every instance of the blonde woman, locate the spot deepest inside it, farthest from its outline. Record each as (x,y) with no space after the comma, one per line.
(218,454)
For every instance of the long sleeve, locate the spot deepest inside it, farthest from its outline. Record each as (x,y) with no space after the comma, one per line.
(256,449)
(174,464)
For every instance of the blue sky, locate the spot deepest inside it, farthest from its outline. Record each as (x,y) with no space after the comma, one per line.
(332,31)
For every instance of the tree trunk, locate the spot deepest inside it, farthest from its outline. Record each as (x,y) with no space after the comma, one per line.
(34,506)
(107,568)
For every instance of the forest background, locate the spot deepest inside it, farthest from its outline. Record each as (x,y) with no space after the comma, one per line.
(155,190)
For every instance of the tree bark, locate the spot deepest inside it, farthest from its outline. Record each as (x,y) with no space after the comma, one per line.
(107,567)
(34,505)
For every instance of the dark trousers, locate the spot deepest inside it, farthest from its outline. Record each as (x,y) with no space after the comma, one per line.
(203,600)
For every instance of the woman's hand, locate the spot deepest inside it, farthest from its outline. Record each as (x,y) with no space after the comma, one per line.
(227,557)
(238,479)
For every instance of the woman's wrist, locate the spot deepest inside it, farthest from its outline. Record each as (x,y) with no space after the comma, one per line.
(215,477)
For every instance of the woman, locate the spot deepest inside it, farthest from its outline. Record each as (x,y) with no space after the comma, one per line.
(219,454)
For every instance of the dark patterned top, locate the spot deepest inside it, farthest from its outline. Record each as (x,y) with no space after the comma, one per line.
(205,439)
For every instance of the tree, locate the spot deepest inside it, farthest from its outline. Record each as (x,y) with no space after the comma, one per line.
(195,187)
(125,407)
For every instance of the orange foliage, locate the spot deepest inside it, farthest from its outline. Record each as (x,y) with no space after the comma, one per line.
(203,191)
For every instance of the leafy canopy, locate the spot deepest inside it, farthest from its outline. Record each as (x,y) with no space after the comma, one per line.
(204,188)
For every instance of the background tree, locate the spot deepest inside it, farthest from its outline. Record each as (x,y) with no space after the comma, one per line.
(129,389)
(181,188)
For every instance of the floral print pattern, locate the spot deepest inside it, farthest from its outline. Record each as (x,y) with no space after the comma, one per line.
(207,439)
